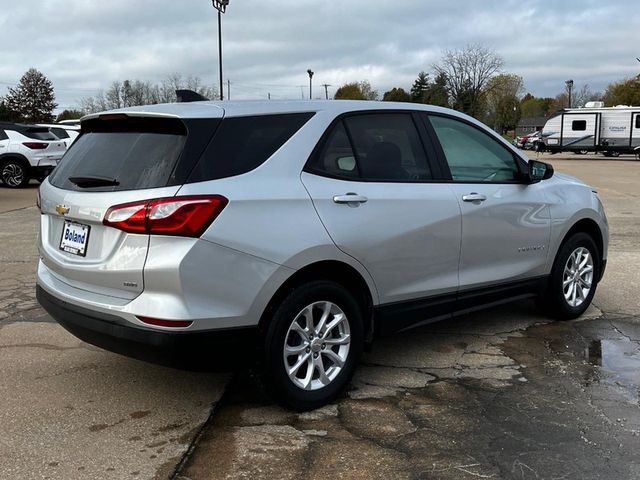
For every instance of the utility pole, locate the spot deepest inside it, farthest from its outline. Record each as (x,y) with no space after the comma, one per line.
(326,90)
(569,84)
(301,91)
(221,7)
(310,84)
(228,89)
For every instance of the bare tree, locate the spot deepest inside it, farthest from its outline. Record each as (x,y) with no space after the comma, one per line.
(129,93)
(467,71)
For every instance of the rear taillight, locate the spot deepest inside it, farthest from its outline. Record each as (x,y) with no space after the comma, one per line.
(177,216)
(35,145)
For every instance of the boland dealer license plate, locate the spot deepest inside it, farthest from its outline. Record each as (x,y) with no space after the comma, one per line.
(75,237)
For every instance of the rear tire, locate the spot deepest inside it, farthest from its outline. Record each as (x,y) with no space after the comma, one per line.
(573,280)
(14,173)
(313,345)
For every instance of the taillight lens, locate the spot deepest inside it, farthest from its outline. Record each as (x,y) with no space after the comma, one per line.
(176,216)
(35,145)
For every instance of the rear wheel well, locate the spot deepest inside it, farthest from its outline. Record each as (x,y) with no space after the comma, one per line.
(338,272)
(13,156)
(592,229)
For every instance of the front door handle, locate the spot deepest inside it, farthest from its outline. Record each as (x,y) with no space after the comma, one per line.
(350,198)
(474,197)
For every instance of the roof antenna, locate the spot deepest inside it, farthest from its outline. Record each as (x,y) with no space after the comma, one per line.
(187,96)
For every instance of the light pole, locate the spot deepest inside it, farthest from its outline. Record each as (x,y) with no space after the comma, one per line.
(310,83)
(221,7)
(569,84)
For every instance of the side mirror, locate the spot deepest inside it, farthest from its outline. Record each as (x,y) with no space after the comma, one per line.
(539,171)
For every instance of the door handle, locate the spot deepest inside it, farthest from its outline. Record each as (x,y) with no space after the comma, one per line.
(474,197)
(350,198)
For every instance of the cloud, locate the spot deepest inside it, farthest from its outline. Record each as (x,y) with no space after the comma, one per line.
(83,45)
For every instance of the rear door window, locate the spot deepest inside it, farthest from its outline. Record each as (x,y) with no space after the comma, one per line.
(242,144)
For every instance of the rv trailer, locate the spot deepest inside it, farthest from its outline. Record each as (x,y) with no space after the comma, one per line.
(595,128)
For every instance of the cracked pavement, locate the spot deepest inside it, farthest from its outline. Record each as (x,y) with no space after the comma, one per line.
(505,393)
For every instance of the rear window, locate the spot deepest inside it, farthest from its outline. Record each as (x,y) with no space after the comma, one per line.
(61,133)
(38,134)
(136,153)
(244,143)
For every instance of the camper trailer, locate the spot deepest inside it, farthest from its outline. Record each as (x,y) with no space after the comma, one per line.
(594,128)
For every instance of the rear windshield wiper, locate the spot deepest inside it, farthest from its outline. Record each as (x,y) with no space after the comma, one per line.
(94,181)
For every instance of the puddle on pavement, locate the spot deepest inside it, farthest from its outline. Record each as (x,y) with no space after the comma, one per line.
(618,360)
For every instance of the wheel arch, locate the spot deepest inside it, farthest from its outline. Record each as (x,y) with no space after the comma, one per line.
(18,156)
(591,228)
(332,270)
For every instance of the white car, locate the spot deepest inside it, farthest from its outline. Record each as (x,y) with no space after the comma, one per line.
(26,152)
(66,133)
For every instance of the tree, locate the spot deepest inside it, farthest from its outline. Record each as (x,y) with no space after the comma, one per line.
(531,106)
(502,100)
(33,100)
(129,93)
(356,91)
(624,92)
(438,94)
(396,95)
(467,72)
(69,115)
(5,113)
(420,88)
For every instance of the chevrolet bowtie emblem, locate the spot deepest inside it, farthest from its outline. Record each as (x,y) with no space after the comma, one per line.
(62,210)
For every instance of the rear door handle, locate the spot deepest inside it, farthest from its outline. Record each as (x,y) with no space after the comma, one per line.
(474,197)
(350,198)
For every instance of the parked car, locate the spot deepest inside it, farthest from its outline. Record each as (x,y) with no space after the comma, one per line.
(528,141)
(66,133)
(26,152)
(298,232)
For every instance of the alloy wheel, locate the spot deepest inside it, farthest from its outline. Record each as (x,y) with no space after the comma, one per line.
(12,174)
(317,345)
(577,278)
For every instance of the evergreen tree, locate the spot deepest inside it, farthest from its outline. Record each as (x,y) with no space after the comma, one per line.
(420,88)
(438,93)
(33,99)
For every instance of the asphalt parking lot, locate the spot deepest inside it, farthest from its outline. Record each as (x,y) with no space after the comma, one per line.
(501,394)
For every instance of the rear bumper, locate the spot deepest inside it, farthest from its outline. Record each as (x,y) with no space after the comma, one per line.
(219,350)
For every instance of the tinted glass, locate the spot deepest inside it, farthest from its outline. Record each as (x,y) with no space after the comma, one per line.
(3,136)
(472,155)
(136,152)
(388,147)
(61,133)
(337,157)
(244,143)
(38,133)
(579,125)
(637,121)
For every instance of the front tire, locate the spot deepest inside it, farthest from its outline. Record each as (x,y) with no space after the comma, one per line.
(573,279)
(14,173)
(312,345)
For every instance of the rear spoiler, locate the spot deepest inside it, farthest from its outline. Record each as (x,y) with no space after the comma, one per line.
(187,96)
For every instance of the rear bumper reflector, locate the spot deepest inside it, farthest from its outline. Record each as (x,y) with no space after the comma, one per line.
(166,323)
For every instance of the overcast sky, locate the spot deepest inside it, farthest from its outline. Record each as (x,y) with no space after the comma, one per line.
(83,45)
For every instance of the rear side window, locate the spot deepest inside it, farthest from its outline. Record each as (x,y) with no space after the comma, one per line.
(136,154)
(3,136)
(244,143)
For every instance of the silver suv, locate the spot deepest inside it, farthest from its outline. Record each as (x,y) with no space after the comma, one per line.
(300,231)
